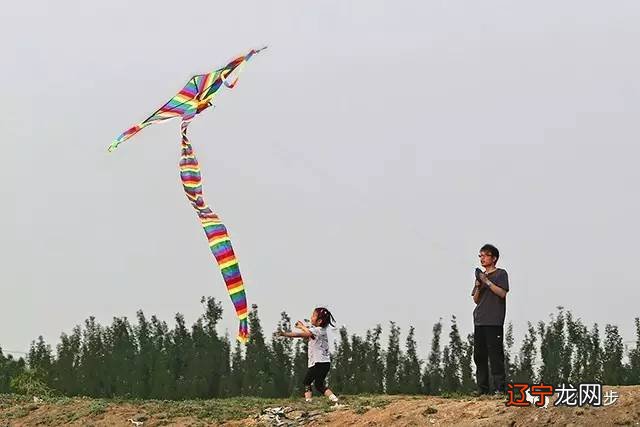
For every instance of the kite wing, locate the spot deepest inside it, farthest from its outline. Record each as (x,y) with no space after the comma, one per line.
(194,97)
(183,104)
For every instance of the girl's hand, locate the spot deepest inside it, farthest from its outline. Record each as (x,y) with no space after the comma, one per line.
(299,324)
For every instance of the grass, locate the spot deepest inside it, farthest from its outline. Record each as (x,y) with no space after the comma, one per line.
(61,410)
(97,407)
(72,409)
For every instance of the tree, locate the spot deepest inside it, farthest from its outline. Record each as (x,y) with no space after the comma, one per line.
(341,375)
(525,362)
(461,356)
(281,348)
(358,362)
(509,365)
(120,358)
(578,340)
(162,381)
(237,371)
(633,376)
(592,371)
(468,383)
(180,355)
(432,378)
(300,367)
(394,355)
(451,359)
(66,365)
(451,381)
(374,372)
(146,357)
(40,360)
(151,361)
(92,357)
(199,370)
(258,376)
(210,365)
(555,367)
(9,369)
(410,367)
(225,379)
(613,372)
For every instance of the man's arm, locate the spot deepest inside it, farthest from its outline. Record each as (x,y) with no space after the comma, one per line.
(476,292)
(496,289)
(493,287)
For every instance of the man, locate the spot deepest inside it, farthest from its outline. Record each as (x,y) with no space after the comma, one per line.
(489,294)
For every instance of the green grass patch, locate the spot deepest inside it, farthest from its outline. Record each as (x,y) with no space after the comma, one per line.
(75,409)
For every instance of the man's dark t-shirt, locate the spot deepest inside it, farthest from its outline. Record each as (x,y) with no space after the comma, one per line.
(491,309)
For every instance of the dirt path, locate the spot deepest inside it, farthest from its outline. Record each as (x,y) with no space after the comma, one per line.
(358,411)
(492,412)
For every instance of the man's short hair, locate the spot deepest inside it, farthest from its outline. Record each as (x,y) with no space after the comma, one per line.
(493,251)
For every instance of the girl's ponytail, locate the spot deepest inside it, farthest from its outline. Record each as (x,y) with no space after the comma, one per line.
(325,317)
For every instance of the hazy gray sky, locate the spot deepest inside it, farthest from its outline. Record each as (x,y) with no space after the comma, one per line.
(361,161)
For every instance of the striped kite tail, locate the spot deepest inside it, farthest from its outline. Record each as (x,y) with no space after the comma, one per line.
(243,332)
(216,232)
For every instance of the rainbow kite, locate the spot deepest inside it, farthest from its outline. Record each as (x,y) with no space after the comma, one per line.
(196,96)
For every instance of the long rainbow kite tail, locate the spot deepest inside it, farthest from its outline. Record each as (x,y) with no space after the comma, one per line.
(216,232)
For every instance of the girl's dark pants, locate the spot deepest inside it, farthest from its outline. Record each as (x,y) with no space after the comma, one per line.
(317,374)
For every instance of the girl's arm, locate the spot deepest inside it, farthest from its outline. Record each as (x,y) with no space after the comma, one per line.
(306,333)
(303,334)
(304,329)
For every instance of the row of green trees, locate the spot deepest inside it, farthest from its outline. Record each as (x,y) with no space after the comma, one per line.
(150,360)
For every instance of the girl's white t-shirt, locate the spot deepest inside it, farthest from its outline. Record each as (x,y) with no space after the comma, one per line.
(318,351)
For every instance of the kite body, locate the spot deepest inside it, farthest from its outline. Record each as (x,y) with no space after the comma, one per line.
(193,98)
(196,96)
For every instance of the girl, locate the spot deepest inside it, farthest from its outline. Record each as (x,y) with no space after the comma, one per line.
(319,361)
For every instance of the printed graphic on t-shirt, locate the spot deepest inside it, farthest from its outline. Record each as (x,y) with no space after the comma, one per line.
(318,346)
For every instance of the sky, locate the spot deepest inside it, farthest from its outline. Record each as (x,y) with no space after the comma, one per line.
(360,163)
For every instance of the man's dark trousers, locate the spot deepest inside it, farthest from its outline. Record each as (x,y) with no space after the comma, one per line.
(488,347)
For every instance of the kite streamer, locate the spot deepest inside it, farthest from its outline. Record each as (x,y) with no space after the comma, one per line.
(196,96)
(216,232)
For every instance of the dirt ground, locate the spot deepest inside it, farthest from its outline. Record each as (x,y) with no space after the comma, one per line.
(493,412)
(357,411)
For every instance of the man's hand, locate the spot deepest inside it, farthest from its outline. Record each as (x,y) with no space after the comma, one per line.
(482,278)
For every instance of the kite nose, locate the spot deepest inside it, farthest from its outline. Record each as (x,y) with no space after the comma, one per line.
(259,50)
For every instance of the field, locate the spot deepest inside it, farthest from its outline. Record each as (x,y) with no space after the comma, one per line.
(357,410)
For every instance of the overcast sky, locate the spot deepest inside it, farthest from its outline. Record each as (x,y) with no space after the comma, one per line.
(361,161)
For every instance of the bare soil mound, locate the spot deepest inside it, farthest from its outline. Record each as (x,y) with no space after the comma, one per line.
(356,411)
